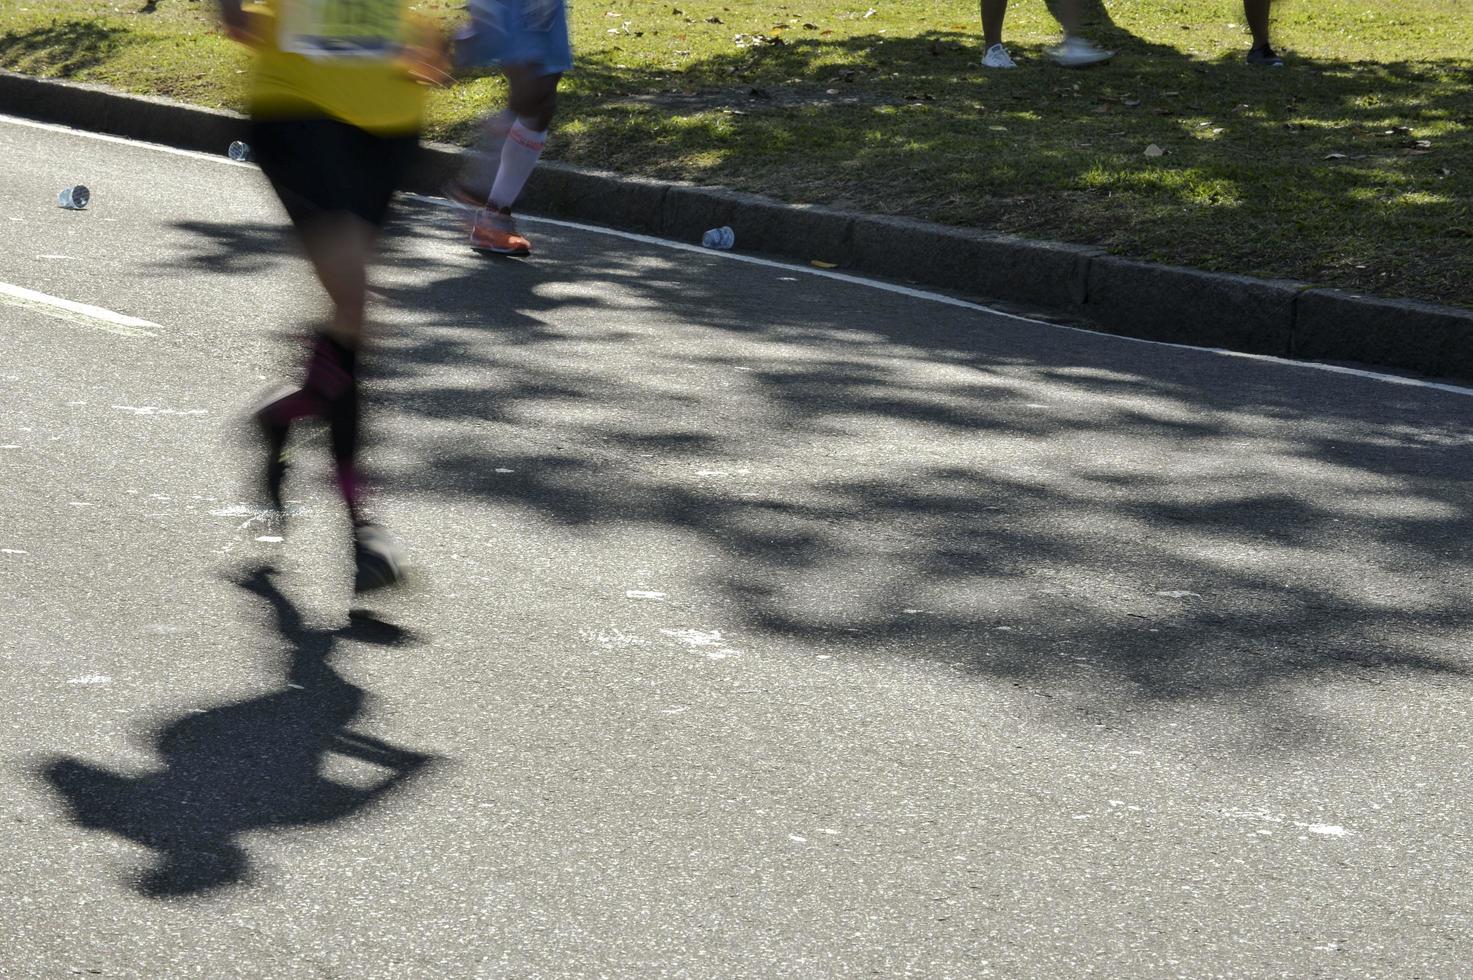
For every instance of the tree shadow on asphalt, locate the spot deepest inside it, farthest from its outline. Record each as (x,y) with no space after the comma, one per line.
(249,765)
(1110,532)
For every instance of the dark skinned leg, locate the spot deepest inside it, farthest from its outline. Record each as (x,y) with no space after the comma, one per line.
(1256,13)
(993,13)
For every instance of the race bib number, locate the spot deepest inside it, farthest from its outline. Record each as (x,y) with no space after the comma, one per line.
(342,28)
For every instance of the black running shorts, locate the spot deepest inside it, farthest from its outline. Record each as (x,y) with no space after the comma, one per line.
(323,165)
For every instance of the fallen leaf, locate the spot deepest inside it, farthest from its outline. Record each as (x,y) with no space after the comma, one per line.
(1336,156)
(821,264)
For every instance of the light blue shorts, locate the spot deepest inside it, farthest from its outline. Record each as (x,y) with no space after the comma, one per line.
(516,32)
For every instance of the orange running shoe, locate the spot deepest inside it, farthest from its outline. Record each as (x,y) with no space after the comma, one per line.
(496,232)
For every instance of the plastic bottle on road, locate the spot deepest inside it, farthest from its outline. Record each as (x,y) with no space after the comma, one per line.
(722,237)
(74,198)
(239,152)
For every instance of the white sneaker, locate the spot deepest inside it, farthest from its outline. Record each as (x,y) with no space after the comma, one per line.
(997,57)
(1076,52)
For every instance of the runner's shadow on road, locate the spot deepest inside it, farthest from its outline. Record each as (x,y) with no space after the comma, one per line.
(248,765)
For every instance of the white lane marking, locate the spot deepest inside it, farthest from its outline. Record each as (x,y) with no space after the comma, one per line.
(156,410)
(1324,829)
(810,271)
(65,309)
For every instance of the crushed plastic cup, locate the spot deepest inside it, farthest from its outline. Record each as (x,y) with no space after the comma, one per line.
(722,237)
(239,152)
(74,198)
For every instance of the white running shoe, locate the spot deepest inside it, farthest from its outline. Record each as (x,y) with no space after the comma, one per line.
(1076,52)
(997,57)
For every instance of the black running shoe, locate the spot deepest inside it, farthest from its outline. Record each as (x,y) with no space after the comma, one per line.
(1264,57)
(378,559)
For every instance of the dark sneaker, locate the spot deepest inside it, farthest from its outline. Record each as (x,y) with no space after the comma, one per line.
(378,559)
(1264,57)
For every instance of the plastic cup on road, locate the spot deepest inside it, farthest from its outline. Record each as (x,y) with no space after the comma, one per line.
(74,198)
(722,238)
(239,152)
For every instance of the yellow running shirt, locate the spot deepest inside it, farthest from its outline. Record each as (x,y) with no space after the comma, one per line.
(339,58)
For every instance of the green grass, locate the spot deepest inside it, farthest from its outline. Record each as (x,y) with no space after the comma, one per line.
(1352,168)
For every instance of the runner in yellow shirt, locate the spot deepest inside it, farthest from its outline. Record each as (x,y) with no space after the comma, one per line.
(336,105)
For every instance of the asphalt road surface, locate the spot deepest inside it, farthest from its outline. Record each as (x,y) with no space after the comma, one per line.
(765,623)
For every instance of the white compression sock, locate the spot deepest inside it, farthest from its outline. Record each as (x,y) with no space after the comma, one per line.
(481,165)
(518,156)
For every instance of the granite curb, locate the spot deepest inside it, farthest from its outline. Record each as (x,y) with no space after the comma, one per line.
(1117,295)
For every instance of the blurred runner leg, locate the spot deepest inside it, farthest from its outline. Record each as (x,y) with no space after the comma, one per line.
(528,41)
(336,114)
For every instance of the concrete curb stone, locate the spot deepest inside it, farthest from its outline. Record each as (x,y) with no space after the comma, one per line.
(1188,306)
(1118,295)
(102,110)
(634,204)
(1001,267)
(1334,325)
